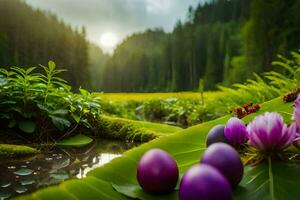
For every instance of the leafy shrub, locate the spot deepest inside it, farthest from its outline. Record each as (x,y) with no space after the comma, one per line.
(157,109)
(42,104)
(181,109)
(183,112)
(270,84)
(120,109)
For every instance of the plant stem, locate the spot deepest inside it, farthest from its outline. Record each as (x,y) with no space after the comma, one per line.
(271,178)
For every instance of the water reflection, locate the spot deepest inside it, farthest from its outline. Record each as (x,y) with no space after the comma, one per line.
(97,162)
(54,166)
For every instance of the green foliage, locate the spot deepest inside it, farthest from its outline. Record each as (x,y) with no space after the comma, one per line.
(26,126)
(29,36)
(122,109)
(182,109)
(238,70)
(269,180)
(42,104)
(182,112)
(270,85)
(157,109)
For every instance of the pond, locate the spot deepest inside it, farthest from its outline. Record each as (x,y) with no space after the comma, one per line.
(21,176)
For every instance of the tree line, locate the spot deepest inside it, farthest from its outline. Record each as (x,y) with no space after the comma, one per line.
(220,42)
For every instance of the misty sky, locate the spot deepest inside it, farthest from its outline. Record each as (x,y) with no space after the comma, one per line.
(117,17)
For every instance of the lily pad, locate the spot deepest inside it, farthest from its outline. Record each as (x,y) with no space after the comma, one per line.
(5,185)
(60,175)
(4,195)
(76,141)
(23,172)
(27,182)
(21,190)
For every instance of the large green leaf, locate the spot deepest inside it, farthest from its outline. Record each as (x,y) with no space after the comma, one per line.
(75,141)
(266,181)
(136,192)
(60,122)
(269,181)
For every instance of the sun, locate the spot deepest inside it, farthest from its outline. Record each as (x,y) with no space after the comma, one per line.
(109,40)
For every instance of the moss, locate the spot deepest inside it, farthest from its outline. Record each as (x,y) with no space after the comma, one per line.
(8,150)
(130,130)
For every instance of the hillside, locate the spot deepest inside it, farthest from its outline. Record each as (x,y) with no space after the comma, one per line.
(221,42)
(29,37)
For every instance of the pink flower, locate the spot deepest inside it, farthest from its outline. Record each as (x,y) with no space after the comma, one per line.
(296,115)
(268,132)
(296,118)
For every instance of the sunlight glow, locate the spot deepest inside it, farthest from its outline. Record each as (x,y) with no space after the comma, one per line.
(109,40)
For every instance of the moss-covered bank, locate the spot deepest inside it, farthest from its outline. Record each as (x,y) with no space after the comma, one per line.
(9,150)
(130,130)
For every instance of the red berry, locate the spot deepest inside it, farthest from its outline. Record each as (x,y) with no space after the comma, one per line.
(251,110)
(256,107)
(245,105)
(239,110)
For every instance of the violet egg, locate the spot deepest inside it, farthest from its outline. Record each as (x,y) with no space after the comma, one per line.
(204,182)
(157,172)
(216,134)
(225,159)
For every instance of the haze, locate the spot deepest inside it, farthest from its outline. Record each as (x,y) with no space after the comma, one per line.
(108,22)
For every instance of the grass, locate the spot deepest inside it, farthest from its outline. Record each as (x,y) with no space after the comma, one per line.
(141,97)
(182,108)
(9,150)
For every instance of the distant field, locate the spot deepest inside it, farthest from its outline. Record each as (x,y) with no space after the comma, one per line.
(140,97)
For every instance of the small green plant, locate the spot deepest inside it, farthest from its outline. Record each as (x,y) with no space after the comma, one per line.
(42,105)
(201,90)
(157,109)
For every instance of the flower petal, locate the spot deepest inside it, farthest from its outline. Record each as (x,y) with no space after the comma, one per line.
(235,131)
(268,132)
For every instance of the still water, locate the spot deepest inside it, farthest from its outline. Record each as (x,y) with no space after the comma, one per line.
(18,177)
